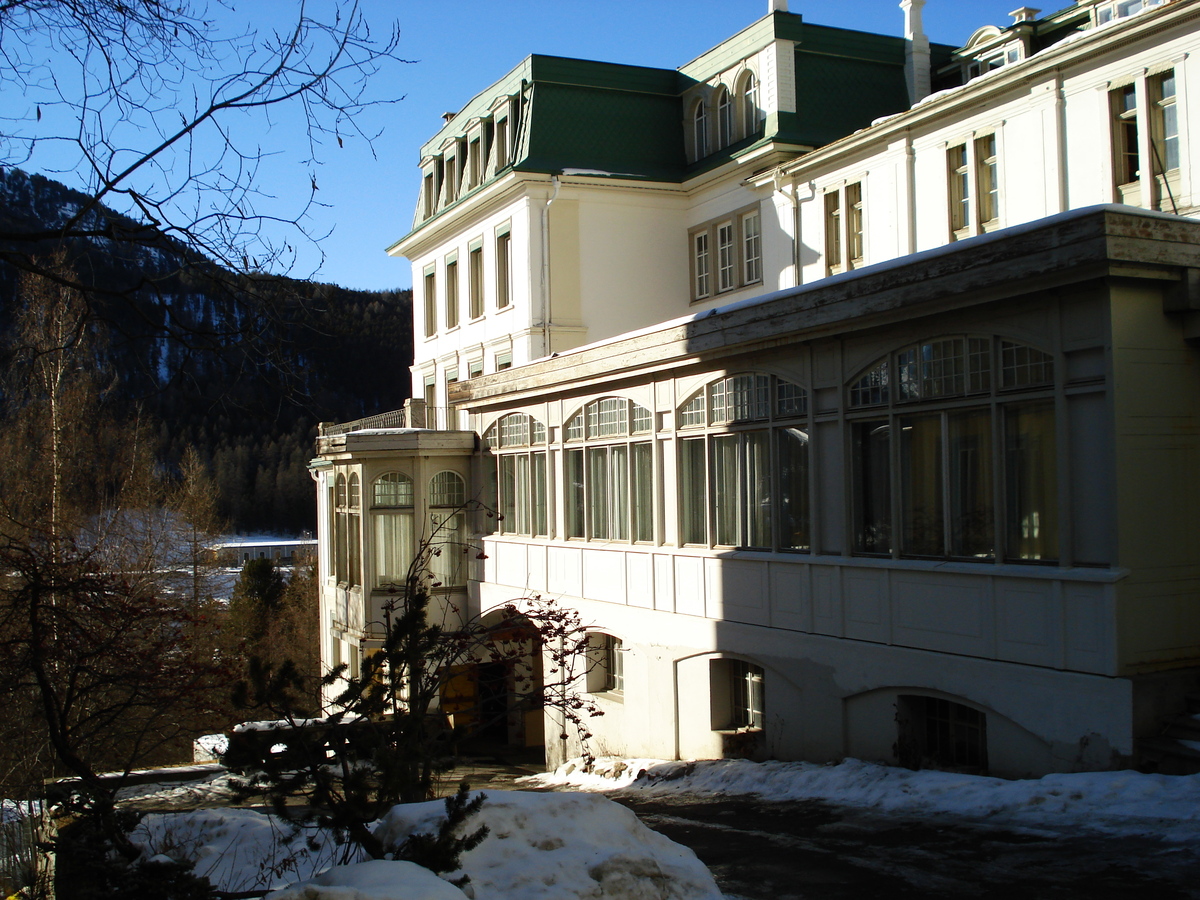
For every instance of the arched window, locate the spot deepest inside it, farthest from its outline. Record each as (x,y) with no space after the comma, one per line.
(392,520)
(610,483)
(347,536)
(700,130)
(522,497)
(447,529)
(744,483)
(751,114)
(992,427)
(724,119)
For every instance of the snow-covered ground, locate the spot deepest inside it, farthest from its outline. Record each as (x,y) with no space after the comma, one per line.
(559,846)
(541,846)
(1124,802)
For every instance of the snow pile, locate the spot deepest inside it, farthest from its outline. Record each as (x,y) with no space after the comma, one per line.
(375,879)
(1115,802)
(564,846)
(541,846)
(237,849)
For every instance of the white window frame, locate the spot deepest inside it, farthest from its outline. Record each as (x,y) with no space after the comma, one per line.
(718,254)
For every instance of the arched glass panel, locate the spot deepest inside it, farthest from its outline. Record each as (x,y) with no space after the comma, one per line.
(724,119)
(447,489)
(354,498)
(340,491)
(395,489)
(700,130)
(751,117)
(515,430)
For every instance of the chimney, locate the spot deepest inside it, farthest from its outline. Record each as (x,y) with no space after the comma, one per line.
(916,51)
(1024,14)
(776,6)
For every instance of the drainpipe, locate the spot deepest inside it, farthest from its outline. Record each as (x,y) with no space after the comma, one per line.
(546,266)
(795,199)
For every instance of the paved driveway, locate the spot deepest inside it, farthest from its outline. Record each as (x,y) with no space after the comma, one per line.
(759,850)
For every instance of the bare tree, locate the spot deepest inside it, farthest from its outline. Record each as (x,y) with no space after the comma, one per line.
(158,112)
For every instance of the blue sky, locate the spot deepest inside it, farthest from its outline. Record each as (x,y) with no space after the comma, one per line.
(456,50)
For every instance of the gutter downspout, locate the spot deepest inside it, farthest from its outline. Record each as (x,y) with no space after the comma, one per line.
(796,200)
(546,266)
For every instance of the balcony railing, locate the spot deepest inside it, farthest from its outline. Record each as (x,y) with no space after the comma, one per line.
(414,414)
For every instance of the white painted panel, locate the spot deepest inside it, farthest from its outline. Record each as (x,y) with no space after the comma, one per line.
(689,585)
(791,605)
(939,612)
(537,567)
(664,582)
(737,591)
(827,600)
(1088,632)
(865,594)
(1027,615)
(512,565)
(639,580)
(565,565)
(604,575)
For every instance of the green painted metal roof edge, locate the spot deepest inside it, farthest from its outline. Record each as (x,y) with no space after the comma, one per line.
(599,74)
(478,105)
(777,25)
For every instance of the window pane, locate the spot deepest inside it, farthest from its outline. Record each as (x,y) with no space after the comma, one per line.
(921,485)
(574,493)
(447,489)
(692,507)
(393,547)
(354,551)
(508,494)
(725,488)
(872,487)
(793,489)
(642,475)
(1031,481)
(757,489)
(393,489)
(540,497)
(521,495)
(597,463)
(971,513)
(446,539)
(618,484)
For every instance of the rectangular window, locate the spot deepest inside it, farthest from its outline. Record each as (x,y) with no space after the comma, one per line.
(642,492)
(394,542)
(693,517)
(501,144)
(451,179)
(854,225)
(473,156)
(726,270)
(742,489)
(430,291)
(503,269)
(1031,481)
(921,522)
(793,488)
(428,200)
(873,486)
(452,293)
(833,232)
(959,176)
(503,361)
(574,493)
(1126,158)
(475,281)
(751,248)
(474,368)
(700,264)
(430,395)
(987,181)
(539,500)
(1166,131)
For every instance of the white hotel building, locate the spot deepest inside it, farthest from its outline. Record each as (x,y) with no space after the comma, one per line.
(827,378)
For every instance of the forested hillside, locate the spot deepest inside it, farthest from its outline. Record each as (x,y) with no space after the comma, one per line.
(240,366)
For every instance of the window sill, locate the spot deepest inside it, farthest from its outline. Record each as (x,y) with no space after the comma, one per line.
(617,697)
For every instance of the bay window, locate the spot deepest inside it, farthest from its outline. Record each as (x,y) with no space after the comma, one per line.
(610,480)
(745,486)
(938,468)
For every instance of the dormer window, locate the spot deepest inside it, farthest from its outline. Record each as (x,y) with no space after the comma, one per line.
(700,130)
(1106,12)
(751,114)
(724,119)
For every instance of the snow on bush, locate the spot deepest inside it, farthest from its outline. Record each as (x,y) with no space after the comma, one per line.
(542,846)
